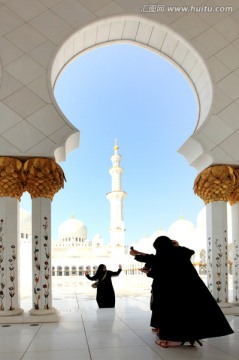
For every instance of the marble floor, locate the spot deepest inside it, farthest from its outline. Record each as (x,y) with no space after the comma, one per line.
(87,333)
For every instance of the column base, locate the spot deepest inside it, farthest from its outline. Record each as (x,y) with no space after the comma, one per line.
(236,303)
(43,312)
(230,309)
(225,305)
(10,313)
(39,312)
(42,316)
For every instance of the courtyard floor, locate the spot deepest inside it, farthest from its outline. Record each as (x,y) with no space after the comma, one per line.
(85,332)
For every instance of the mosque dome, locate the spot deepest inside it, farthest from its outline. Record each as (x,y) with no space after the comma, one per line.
(184,232)
(72,228)
(145,245)
(158,233)
(180,229)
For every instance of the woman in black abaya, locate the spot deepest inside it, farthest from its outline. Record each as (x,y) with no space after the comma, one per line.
(183,308)
(105,295)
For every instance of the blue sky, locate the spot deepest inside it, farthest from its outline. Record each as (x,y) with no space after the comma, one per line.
(126,92)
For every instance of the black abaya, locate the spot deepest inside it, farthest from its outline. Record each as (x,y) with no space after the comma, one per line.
(183,307)
(105,295)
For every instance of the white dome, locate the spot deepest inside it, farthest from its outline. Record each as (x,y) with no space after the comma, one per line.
(180,228)
(158,233)
(145,245)
(184,232)
(72,228)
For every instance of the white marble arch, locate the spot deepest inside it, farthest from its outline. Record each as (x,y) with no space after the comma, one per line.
(38,38)
(151,35)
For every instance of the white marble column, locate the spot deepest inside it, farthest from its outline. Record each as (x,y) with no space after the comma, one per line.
(9,258)
(216,217)
(41,258)
(43,179)
(235,257)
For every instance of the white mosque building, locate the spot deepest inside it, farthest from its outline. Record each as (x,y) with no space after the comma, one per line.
(73,252)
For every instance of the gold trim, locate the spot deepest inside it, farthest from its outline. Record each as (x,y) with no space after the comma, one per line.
(11,183)
(216,183)
(43,177)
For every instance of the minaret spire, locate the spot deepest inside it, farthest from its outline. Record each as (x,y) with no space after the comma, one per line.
(116,147)
(116,198)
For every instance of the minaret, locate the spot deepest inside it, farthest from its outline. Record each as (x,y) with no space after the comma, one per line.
(116,198)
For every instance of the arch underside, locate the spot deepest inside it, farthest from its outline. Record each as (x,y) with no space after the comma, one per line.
(37,43)
(147,34)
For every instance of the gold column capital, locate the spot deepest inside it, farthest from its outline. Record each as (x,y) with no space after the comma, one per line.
(11,183)
(43,177)
(233,198)
(216,183)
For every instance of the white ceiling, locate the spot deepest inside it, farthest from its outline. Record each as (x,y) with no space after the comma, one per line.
(38,37)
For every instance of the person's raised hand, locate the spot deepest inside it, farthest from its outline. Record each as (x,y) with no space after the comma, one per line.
(133,252)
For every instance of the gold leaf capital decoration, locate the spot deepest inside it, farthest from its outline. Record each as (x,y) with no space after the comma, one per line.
(233,198)
(43,177)
(216,183)
(11,183)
